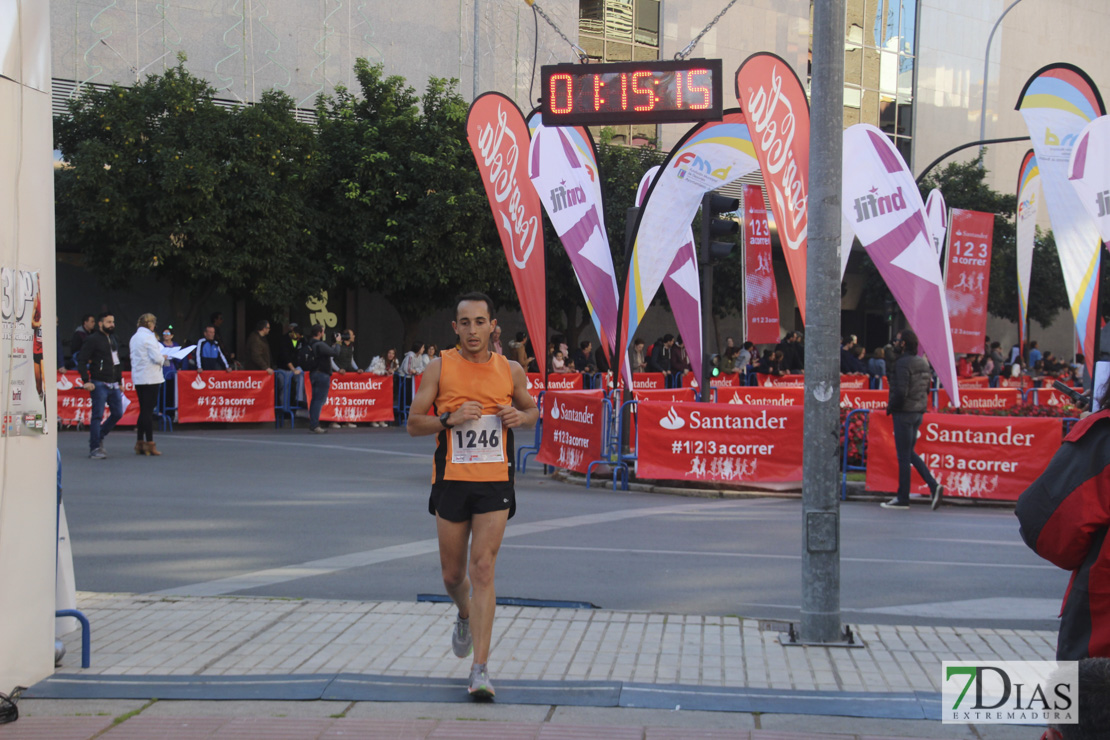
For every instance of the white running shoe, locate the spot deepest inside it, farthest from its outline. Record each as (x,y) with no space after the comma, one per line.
(480,686)
(462,644)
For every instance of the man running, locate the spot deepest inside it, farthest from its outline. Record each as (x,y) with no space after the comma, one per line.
(478,397)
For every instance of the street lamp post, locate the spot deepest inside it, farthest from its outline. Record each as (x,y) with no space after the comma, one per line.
(986,68)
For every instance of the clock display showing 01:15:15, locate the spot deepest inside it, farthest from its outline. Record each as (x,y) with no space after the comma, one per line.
(652,92)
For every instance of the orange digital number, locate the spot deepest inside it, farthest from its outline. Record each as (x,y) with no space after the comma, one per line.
(637,90)
(624,92)
(553,97)
(597,92)
(706,98)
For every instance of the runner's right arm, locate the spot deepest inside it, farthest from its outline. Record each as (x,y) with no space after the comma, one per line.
(420,424)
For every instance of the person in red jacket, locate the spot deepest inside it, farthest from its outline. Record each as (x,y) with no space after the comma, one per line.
(1064,517)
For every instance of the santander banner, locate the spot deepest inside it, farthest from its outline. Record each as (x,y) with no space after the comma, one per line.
(689,380)
(881,199)
(648,381)
(761,297)
(498,136)
(242,396)
(982,399)
(1028,198)
(994,457)
(720,442)
(555,382)
(357,397)
(778,113)
(572,424)
(969,278)
(75,403)
(750,395)
(1057,103)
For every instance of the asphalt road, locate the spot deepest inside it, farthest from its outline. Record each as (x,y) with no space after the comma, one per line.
(344,516)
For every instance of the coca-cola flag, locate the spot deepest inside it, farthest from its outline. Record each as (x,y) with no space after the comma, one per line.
(761,297)
(968,278)
(719,441)
(572,429)
(709,156)
(772,97)
(568,188)
(1028,198)
(1058,101)
(936,216)
(498,136)
(243,396)
(992,457)
(881,200)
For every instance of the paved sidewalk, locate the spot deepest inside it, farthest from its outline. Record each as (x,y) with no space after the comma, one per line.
(560,673)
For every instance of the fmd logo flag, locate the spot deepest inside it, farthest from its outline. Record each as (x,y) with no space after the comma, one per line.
(1089,172)
(710,156)
(1010,692)
(1028,199)
(1057,103)
(881,201)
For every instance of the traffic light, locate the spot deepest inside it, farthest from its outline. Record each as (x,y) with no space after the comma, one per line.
(713,205)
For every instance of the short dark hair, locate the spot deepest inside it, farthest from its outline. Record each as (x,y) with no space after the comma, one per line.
(261,324)
(521,336)
(475,296)
(909,338)
(668,337)
(88,316)
(584,343)
(210,326)
(416,346)
(317,329)
(637,340)
(748,346)
(216,316)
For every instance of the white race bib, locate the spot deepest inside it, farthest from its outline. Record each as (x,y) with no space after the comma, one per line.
(477,441)
(115,357)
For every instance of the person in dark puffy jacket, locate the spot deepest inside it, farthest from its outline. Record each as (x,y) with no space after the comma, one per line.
(908,399)
(1064,517)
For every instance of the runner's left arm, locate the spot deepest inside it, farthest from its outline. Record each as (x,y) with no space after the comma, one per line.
(523,411)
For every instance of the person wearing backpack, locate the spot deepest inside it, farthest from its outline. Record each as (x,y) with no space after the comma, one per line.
(314,357)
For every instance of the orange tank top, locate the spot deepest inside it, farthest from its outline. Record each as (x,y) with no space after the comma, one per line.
(491,384)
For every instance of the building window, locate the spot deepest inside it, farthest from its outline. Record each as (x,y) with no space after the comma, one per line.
(621,31)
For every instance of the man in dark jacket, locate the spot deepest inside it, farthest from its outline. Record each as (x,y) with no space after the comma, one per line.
(87,327)
(1064,517)
(258,348)
(908,399)
(319,377)
(99,366)
(659,361)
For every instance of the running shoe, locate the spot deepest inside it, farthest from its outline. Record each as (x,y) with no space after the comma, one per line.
(462,644)
(937,494)
(98,454)
(894,504)
(480,686)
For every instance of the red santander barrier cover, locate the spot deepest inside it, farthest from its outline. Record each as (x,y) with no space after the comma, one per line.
(555,382)
(572,429)
(979,381)
(240,396)
(74,402)
(798,380)
(721,381)
(855,382)
(648,381)
(358,397)
(873,400)
(994,457)
(762,395)
(718,441)
(666,394)
(982,399)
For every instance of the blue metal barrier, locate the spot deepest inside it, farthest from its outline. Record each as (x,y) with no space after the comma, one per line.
(610,449)
(163,410)
(844,466)
(86,634)
(403,392)
(523,453)
(284,407)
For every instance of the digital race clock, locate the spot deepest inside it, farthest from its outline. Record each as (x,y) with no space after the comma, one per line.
(631,92)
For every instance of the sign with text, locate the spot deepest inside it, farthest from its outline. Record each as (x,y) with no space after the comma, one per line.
(979,381)
(719,441)
(648,381)
(572,429)
(995,457)
(75,403)
(357,397)
(796,380)
(555,382)
(762,396)
(968,277)
(851,399)
(241,396)
(761,296)
(721,381)
(982,399)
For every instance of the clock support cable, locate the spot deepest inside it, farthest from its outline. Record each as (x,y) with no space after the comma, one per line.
(690,47)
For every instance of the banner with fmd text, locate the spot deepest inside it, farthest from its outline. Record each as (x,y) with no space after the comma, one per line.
(968,278)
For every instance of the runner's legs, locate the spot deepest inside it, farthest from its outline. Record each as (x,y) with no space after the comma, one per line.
(489,529)
(453,540)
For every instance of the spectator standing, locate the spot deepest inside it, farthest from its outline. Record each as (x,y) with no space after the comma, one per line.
(728,360)
(876,367)
(636,360)
(660,359)
(906,404)
(413,363)
(287,373)
(1035,353)
(996,362)
(744,357)
(209,353)
(87,327)
(680,362)
(495,342)
(99,367)
(345,362)
(319,376)
(258,348)
(147,362)
(518,350)
(217,321)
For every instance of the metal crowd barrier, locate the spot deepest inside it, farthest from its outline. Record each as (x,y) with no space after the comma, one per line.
(523,453)
(610,448)
(163,410)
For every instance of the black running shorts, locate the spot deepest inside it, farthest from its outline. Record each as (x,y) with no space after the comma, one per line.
(458,501)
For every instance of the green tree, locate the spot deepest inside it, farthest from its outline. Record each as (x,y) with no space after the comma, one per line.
(162,183)
(406,213)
